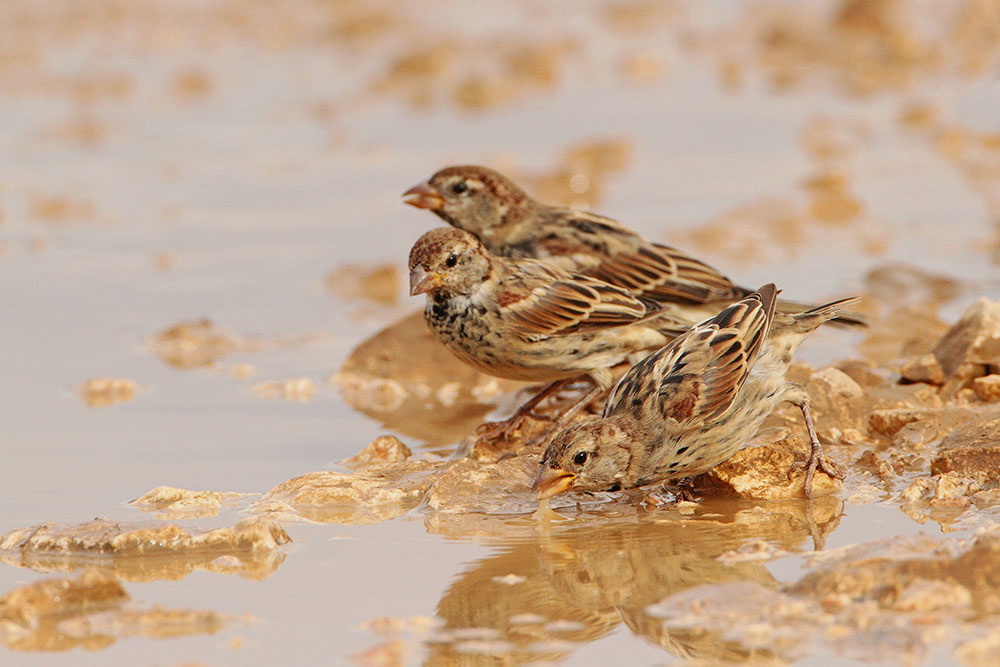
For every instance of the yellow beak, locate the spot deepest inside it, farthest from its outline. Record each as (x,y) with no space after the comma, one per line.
(552,481)
(424,196)
(422,280)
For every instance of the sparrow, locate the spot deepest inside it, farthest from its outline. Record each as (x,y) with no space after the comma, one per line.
(512,224)
(524,319)
(691,404)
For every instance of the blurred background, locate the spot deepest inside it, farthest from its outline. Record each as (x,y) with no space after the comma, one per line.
(200,214)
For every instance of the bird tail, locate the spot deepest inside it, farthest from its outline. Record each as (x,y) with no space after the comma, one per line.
(808,320)
(842,317)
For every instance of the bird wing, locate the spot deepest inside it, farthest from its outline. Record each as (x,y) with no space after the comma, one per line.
(699,373)
(609,251)
(536,305)
(664,273)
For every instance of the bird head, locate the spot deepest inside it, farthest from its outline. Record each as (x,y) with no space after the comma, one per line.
(476,199)
(448,260)
(587,456)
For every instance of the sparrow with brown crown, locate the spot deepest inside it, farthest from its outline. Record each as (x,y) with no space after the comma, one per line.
(523,319)
(510,223)
(692,404)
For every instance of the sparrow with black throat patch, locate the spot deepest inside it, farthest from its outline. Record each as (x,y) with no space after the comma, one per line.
(523,319)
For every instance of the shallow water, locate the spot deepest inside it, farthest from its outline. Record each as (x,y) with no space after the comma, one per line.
(167,162)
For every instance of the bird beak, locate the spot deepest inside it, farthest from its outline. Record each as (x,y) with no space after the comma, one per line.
(551,481)
(424,195)
(422,280)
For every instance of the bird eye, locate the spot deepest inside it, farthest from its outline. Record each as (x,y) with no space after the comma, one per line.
(459,187)
(580,458)
(451,261)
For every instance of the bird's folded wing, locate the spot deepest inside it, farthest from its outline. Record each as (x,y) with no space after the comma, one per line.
(665,273)
(569,306)
(700,373)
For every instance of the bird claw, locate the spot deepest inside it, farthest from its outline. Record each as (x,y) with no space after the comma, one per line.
(499,430)
(685,495)
(814,463)
(495,440)
(684,490)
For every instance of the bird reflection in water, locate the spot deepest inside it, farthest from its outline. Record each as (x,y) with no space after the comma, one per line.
(546,593)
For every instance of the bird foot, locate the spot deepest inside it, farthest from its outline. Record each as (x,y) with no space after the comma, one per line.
(684,490)
(495,440)
(496,431)
(816,461)
(685,495)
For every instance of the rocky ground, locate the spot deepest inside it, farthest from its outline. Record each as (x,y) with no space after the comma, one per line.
(918,432)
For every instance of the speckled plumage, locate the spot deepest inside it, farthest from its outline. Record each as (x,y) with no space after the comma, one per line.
(510,223)
(692,404)
(524,319)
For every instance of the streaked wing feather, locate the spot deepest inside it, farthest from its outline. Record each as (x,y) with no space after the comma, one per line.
(574,305)
(665,273)
(700,373)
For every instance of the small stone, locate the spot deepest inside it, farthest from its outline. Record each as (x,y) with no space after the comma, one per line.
(987,498)
(863,372)
(888,422)
(918,489)
(383,449)
(196,344)
(915,433)
(833,381)
(868,459)
(987,388)
(971,450)
(923,368)
(171,502)
(950,485)
(101,392)
(838,402)
(368,496)
(974,339)
(886,471)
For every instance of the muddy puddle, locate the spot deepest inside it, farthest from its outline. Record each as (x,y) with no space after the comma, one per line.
(229,439)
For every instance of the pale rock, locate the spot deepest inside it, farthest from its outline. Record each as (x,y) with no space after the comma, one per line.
(923,368)
(383,449)
(974,339)
(987,388)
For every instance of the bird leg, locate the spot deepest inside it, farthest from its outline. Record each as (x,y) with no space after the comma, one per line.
(817,460)
(495,430)
(567,415)
(579,405)
(682,492)
(603,379)
(685,490)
